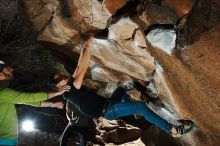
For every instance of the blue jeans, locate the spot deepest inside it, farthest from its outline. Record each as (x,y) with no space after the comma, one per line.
(120,106)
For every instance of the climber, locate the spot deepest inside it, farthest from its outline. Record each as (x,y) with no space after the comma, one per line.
(118,105)
(8,99)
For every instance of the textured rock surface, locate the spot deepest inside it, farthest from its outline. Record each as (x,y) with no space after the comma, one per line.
(154,136)
(117,132)
(110,132)
(164,39)
(155,13)
(125,42)
(181,84)
(202,17)
(193,82)
(180,7)
(202,57)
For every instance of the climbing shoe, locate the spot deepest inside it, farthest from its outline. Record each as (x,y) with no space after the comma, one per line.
(185,127)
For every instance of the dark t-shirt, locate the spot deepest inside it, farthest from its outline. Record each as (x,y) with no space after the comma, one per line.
(78,118)
(87,102)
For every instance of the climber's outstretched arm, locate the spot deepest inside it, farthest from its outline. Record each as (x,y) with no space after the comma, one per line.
(83,63)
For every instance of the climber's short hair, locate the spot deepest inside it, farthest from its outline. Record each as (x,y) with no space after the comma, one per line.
(56,77)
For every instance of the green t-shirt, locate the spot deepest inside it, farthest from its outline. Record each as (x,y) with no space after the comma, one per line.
(8,115)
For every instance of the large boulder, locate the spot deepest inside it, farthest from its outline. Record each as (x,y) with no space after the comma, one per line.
(193,82)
